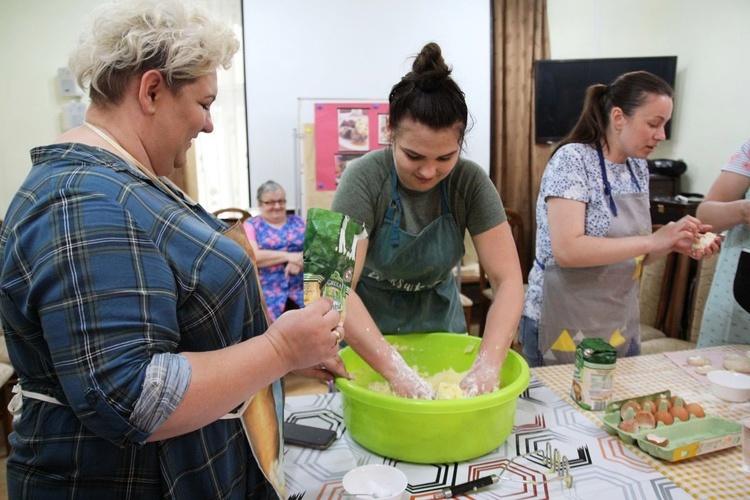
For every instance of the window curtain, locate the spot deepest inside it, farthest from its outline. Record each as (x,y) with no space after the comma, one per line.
(217,172)
(520,36)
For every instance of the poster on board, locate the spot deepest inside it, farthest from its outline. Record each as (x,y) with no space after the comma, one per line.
(343,133)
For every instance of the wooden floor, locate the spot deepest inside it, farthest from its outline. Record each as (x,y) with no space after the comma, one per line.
(3,483)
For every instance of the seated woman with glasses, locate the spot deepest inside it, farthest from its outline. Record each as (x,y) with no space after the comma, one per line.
(278,240)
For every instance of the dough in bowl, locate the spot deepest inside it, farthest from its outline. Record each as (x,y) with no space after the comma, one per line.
(445,383)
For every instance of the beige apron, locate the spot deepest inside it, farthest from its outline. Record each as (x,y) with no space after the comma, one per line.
(599,301)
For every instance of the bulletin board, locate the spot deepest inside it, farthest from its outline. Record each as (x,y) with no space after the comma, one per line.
(343,133)
(333,133)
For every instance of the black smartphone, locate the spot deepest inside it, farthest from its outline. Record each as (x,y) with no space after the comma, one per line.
(308,436)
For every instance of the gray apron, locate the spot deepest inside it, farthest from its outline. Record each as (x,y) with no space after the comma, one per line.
(600,301)
(407,281)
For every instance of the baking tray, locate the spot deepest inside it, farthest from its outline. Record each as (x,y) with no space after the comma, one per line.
(697,436)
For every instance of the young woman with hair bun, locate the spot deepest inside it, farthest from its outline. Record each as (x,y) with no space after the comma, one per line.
(417,198)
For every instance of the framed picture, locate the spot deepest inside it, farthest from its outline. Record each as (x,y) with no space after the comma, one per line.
(383,131)
(341,161)
(354,129)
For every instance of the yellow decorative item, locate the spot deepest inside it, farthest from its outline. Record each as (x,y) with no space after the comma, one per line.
(638,267)
(564,343)
(617,338)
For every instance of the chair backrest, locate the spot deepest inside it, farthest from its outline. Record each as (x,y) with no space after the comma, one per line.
(673,288)
(516,226)
(700,289)
(232,215)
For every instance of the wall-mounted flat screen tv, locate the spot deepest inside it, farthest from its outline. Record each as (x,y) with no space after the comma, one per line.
(561,87)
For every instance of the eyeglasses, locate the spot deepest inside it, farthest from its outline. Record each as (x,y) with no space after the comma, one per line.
(273,202)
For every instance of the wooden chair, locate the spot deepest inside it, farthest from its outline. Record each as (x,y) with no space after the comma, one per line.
(232,215)
(485,290)
(672,295)
(466,303)
(7,380)
(658,310)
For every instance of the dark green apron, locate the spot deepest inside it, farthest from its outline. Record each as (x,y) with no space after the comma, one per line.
(407,282)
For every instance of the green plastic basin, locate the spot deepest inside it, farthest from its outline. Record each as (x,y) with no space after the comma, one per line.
(425,431)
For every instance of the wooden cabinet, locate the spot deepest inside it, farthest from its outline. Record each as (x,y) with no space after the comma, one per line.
(663,185)
(666,209)
(680,272)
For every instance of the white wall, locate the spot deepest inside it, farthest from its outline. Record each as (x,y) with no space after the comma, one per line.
(711,41)
(36,38)
(331,49)
(710,38)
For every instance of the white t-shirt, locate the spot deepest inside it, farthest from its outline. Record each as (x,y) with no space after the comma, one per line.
(739,163)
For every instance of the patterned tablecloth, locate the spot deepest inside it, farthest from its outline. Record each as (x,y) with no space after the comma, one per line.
(603,467)
(714,475)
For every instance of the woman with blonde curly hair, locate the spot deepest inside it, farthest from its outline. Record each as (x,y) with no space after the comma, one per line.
(133,316)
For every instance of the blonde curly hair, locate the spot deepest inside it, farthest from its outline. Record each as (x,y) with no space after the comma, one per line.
(127,39)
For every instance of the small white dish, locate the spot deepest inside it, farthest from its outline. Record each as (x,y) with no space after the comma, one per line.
(375,481)
(729,386)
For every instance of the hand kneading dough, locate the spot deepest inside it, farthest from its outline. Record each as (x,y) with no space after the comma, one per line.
(447,384)
(703,241)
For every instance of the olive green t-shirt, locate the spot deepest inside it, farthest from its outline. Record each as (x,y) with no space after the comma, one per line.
(364,194)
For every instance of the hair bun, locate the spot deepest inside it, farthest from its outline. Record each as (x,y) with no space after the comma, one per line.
(429,83)
(429,69)
(428,95)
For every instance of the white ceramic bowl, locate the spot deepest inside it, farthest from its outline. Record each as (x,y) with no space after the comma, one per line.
(729,386)
(375,481)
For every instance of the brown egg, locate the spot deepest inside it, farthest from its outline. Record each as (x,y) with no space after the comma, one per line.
(680,412)
(645,419)
(664,417)
(696,409)
(630,404)
(629,426)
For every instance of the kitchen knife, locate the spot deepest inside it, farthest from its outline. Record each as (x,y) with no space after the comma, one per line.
(474,485)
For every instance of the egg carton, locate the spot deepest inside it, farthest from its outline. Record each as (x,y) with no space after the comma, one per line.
(697,436)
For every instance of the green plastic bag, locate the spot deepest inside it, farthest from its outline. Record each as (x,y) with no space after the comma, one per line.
(329,253)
